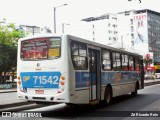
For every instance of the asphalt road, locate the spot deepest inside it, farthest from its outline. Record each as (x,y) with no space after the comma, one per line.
(125,107)
(6,98)
(148,99)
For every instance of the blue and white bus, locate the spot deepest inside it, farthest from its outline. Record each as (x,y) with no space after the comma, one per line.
(72,70)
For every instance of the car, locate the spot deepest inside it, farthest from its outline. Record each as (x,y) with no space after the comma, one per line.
(157,75)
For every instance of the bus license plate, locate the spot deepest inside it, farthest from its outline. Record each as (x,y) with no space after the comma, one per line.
(39,91)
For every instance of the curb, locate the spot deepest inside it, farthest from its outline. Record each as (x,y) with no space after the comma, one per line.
(8,91)
(151,83)
(2,107)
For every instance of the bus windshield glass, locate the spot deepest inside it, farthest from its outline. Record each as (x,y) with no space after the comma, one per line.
(41,48)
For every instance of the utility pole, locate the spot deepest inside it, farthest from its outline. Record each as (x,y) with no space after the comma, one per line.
(55,15)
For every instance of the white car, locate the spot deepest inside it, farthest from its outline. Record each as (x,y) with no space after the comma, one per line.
(157,75)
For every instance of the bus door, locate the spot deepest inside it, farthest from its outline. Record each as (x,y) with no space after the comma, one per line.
(94,69)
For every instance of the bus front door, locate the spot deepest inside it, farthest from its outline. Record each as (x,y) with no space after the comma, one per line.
(94,69)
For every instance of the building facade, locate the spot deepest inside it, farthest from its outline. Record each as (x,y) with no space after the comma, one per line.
(33,30)
(143,29)
(104,29)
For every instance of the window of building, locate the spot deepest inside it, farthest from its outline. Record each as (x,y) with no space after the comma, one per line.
(115,32)
(114,38)
(132,29)
(132,35)
(132,43)
(131,21)
(79,55)
(109,31)
(110,38)
(114,25)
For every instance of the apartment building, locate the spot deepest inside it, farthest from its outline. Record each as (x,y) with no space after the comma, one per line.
(33,30)
(142,28)
(104,29)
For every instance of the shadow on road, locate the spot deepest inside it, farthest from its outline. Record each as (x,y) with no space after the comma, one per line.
(121,106)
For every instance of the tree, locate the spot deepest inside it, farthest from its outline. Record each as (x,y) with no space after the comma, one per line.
(9,36)
(147,62)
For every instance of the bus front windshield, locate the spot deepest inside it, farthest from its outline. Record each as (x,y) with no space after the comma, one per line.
(41,48)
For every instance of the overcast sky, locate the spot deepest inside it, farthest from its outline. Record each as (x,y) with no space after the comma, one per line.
(40,12)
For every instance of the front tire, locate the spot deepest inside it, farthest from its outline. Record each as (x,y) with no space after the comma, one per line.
(135,92)
(108,96)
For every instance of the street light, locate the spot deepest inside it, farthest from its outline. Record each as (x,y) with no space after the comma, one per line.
(122,42)
(63,26)
(55,15)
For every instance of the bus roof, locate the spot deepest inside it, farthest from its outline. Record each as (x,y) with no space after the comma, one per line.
(102,45)
(39,36)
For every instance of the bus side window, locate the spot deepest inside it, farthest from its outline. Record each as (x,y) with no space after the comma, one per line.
(79,55)
(137,64)
(131,63)
(106,60)
(116,61)
(124,62)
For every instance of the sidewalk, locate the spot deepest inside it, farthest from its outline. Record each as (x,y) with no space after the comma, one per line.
(151,82)
(8,90)
(8,98)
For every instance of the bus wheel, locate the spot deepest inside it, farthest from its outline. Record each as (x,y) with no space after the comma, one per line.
(69,104)
(108,96)
(43,103)
(135,92)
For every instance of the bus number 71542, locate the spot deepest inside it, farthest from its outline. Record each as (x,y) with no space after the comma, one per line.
(44,79)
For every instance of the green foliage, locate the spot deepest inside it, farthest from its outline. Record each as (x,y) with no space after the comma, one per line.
(147,61)
(9,36)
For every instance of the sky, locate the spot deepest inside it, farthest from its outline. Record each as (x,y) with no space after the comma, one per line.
(41,12)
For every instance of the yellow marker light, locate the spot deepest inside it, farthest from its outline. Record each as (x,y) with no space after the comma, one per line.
(18,77)
(62,77)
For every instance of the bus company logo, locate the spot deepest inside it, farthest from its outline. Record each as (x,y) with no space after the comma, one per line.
(26,78)
(38,64)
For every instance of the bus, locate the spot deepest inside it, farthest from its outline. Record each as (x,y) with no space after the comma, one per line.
(157,67)
(72,70)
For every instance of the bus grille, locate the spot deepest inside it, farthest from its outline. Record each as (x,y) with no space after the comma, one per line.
(39,98)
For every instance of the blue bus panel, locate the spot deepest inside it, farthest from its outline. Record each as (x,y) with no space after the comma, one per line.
(40,79)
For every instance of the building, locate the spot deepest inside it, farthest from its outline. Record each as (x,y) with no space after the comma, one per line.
(143,30)
(104,29)
(33,30)
(28,29)
(125,30)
